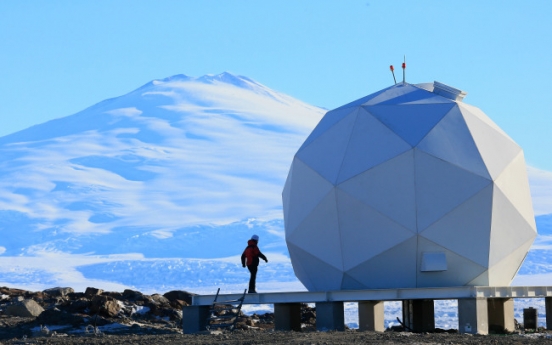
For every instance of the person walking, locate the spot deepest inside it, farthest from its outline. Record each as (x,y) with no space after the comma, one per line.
(250,258)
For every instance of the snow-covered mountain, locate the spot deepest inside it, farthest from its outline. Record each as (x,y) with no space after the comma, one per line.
(160,189)
(180,168)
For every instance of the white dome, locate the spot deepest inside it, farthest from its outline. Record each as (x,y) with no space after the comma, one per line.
(407,188)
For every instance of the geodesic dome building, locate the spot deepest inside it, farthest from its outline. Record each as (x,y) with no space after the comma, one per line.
(407,187)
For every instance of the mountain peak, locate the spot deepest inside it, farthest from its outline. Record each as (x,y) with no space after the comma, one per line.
(224,77)
(232,79)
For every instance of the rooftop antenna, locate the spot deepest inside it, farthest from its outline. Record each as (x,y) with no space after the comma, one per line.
(404,68)
(393,72)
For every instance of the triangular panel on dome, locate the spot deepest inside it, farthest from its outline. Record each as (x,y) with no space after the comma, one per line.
(298,267)
(466,230)
(410,122)
(460,270)
(503,272)
(418,96)
(321,275)
(441,187)
(350,283)
(400,268)
(325,153)
(365,232)
(509,229)
(388,188)
(514,184)
(431,99)
(286,192)
(398,94)
(390,93)
(495,147)
(318,234)
(328,121)
(481,280)
(371,143)
(478,113)
(307,190)
(451,141)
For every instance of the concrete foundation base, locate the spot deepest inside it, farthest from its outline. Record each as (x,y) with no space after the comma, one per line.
(194,318)
(330,316)
(371,316)
(473,316)
(501,315)
(419,315)
(287,317)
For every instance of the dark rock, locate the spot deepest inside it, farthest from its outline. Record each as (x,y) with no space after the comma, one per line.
(140,303)
(76,295)
(179,295)
(76,306)
(12,292)
(40,295)
(91,292)
(162,300)
(97,320)
(59,291)
(133,295)
(116,295)
(26,308)
(241,325)
(58,317)
(309,315)
(159,305)
(105,306)
(156,310)
(162,313)
(174,315)
(178,304)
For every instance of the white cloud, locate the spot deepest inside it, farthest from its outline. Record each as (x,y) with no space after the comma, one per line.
(540,182)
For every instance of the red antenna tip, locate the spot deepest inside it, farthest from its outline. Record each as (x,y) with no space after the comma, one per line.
(391,68)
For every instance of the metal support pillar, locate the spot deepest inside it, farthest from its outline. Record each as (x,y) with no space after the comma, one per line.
(287,317)
(330,316)
(473,316)
(501,315)
(548,311)
(371,316)
(419,315)
(194,318)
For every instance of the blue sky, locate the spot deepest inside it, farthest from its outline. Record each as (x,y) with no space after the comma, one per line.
(59,57)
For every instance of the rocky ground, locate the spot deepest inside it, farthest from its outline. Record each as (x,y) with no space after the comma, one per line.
(61,316)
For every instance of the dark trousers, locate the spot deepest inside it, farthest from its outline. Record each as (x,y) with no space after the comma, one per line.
(253,270)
